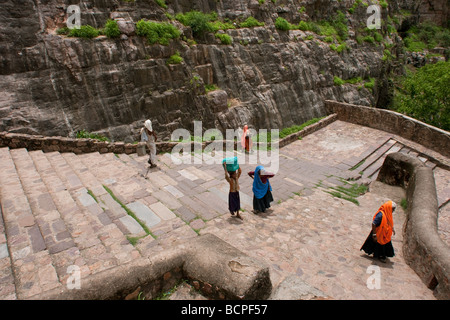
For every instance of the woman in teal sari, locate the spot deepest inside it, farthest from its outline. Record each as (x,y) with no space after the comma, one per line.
(262,195)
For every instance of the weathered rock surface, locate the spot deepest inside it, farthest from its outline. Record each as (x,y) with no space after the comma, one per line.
(56,85)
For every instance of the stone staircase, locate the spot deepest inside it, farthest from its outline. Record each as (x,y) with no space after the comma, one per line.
(368,164)
(97,211)
(62,209)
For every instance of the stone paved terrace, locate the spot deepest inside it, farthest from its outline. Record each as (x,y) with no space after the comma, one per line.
(62,209)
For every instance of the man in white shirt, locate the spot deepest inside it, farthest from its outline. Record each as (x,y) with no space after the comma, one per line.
(149,137)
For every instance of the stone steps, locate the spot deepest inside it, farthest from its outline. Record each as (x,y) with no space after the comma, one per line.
(30,261)
(372,159)
(52,221)
(111,211)
(154,200)
(95,237)
(58,213)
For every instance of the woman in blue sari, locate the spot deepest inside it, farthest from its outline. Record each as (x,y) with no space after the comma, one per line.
(262,195)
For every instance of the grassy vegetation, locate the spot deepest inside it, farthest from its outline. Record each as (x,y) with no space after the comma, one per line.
(111,29)
(286,131)
(283,24)
(296,128)
(251,22)
(157,32)
(339,82)
(370,84)
(404,204)
(210,87)
(356,166)
(349,193)
(426,36)
(174,59)
(224,38)
(92,195)
(198,21)
(83,134)
(86,31)
(166,294)
(161,3)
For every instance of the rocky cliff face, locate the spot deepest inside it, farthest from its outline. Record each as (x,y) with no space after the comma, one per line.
(56,85)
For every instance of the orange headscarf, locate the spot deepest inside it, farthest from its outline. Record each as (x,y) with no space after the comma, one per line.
(384,230)
(243,136)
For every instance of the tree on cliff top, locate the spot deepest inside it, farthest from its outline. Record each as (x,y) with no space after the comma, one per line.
(426,95)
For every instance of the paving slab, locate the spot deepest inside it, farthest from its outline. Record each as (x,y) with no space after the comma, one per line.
(168,199)
(174,191)
(143,213)
(132,227)
(114,208)
(162,211)
(188,175)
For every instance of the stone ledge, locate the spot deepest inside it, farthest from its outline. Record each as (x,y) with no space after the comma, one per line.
(79,146)
(308,130)
(424,250)
(393,122)
(218,269)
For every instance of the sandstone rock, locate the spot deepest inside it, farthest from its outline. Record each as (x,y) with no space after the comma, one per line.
(56,85)
(218,99)
(126,27)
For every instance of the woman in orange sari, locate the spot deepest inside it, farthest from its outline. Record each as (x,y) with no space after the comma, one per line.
(379,240)
(246,140)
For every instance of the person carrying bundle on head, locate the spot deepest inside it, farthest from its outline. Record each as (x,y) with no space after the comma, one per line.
(149,137)
(262,195)
(232,174)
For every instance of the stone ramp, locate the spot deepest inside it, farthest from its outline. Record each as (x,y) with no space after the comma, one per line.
(317,239)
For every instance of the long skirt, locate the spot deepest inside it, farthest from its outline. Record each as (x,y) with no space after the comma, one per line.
(247,143)
(234,202)
(379,250)
(263,203)
(152,147)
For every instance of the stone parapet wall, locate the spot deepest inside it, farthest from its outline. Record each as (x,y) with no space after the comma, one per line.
(423,249)
(393,122)
(82,145)
(308,130)
(77,146)
(219,270)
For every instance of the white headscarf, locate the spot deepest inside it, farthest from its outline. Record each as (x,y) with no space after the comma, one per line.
(148,125)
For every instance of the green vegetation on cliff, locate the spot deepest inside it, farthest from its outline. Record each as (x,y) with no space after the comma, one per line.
(427,36)
(425,95)
(156,32)
(86,31)
(112,29)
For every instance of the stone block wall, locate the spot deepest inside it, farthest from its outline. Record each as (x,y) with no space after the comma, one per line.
(78,146)
(430,137)
(423,249)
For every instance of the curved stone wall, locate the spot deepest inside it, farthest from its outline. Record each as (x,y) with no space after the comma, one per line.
(423,249)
